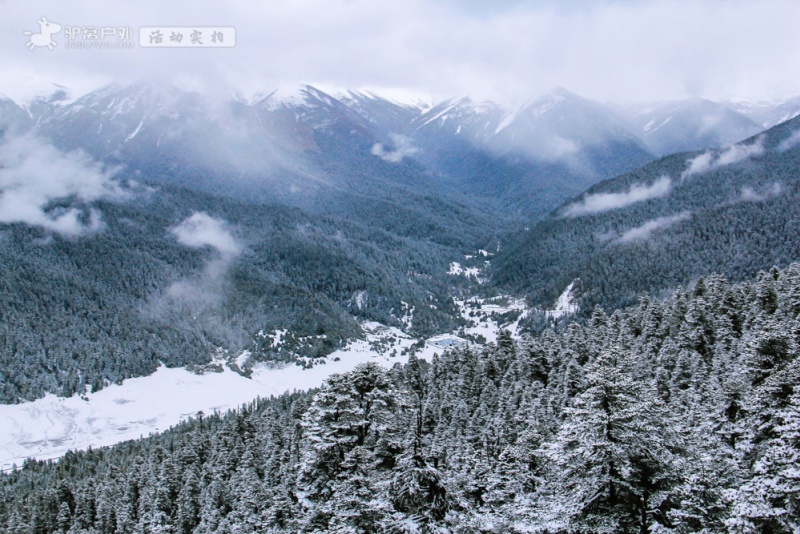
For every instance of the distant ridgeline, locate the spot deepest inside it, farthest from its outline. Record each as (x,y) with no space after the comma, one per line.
(679,415)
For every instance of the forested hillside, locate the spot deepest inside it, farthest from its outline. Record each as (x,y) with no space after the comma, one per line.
(96,192)
(733,211)
(675,415)
(174,276)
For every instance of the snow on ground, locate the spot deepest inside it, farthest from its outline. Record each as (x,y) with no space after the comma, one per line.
(469,272)
(565,305)
(455,269)
(48,427)
(485,316)
(475,272)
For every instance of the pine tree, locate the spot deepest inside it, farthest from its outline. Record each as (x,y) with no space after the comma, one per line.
(770,500)
(64,519)
(350,411)
(610,462)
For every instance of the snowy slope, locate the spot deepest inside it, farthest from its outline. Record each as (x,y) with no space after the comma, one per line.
(679,126)
(767,114)
(49,427)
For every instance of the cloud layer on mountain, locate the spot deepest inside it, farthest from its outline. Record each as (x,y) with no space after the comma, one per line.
(600,202)
(40,186)
(711,160)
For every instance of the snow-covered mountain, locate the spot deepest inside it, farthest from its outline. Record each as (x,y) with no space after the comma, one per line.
(767,114)
(695,124)
(298,145)
(383,115)
(531,157)
(559,126)
(12,116)
(474,121)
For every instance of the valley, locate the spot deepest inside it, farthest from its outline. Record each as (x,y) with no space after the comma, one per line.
(335,312)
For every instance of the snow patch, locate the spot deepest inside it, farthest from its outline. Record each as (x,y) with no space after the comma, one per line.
(486,317)
(507,121)
(241,359)
(49,427)
(359,298)
(565,304)
(134,133)
(456,269)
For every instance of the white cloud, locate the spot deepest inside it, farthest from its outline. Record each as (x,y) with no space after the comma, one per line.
(709,160)
(402,149)
(643,232)
(200,230)
(34,174)
(790,141)
(206,290)
(698,164)
(749,194)
(740,152)
(513,50)
(601,202)
(555,148)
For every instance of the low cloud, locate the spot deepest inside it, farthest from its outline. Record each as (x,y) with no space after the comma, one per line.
(646,230)
(201,230)
(709,160)
(789,142)
(749,194)
(601,202)
(557,148)
(34,175)
(402,149)
(203,292)
(207,289)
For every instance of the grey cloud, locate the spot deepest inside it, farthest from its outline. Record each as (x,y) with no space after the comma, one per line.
(509,52)
(711,160)
(402,149)
(601,202)
(203,292)
(33,174)
(646,230)
(206,290)
(556,148)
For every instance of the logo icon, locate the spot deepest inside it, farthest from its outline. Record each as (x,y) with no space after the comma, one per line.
(45,36)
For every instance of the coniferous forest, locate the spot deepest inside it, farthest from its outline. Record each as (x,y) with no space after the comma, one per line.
(674,415)
(609,289)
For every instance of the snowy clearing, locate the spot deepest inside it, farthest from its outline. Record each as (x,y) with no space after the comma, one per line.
(565,304)
(49,427)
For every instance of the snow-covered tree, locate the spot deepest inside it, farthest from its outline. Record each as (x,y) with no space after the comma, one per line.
(611,462)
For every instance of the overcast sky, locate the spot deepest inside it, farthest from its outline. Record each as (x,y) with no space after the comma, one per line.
(507,51)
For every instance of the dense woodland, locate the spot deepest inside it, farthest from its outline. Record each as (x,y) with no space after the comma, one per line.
(334,235)
(85,312)
(733,219)
(675,415)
